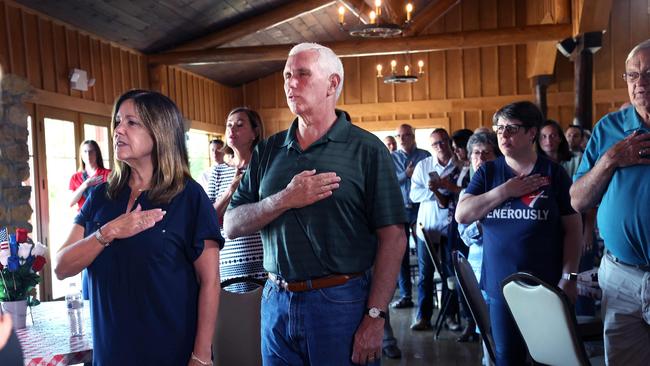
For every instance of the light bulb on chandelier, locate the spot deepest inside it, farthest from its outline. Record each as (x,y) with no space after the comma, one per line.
(376,26)
(395,78)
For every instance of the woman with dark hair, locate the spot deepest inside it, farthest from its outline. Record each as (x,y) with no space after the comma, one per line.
(150,242)
(91,173)
(240,257)
(459,144)
(523,204)
(553,144)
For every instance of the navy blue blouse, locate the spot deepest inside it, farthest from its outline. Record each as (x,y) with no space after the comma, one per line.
(143,289)
(523,233)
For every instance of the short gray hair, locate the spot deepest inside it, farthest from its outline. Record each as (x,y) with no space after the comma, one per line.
(330,62)
(485,138)
(641,46)
(406,125)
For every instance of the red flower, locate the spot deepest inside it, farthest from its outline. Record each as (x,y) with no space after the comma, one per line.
(21,235)
(38,263)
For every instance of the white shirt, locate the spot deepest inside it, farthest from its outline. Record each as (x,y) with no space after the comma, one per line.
(430,214)
(204,178)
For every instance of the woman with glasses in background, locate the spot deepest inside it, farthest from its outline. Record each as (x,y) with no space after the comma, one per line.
(522,201)
(481,147)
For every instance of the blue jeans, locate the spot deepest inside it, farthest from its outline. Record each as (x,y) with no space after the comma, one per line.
(312,327)
(404,279)
(509,345)
(425,282)
(389,337)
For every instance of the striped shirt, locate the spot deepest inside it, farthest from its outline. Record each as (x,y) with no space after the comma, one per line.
(241,257)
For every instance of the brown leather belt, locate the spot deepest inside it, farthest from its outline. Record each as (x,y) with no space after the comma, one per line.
(313,284)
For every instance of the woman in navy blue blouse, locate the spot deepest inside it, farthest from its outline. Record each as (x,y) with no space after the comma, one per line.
(522,200)
(150,242)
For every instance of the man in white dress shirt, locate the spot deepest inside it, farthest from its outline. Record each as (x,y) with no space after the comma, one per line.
(431,188)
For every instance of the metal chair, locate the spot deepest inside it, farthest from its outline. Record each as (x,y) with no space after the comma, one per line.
(237,338)
(470,289)
(448,283)
(546,321)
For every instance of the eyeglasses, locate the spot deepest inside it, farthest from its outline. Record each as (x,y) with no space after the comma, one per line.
(484,153)
(405,135)
(440,143)
(633,76)
(510,129)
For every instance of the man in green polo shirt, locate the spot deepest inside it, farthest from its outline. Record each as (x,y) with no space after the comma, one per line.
(325,197)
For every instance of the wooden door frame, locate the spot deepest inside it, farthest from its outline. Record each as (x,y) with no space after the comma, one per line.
(43,112)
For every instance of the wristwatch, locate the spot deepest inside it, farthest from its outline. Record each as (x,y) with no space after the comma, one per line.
(570,276)
(101,238)
(375,313)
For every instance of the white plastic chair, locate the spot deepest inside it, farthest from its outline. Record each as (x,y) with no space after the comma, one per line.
(546,321)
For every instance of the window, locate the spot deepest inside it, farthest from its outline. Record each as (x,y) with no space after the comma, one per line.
(198,150)
(100,135)
(61,164)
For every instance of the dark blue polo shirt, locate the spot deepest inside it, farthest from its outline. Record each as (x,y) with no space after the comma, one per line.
(143,289)
(337,234)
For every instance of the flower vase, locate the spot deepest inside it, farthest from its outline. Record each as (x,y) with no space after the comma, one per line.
(18,312)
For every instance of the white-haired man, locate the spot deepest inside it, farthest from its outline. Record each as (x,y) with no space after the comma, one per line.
(613,173)
(325,197)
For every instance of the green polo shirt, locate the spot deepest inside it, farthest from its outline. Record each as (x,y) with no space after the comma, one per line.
(336,234)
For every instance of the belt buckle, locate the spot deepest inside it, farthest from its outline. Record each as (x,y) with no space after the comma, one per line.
(284,284)
(278,280)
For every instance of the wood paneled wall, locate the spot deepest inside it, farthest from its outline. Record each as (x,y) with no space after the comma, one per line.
(466,87)
(202,101)
(44,51)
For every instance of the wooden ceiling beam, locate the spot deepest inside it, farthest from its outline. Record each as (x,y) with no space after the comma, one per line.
(395,11)
(429,15)
(590,15)
(278,15)
(541,58)
(426,43)
(357,8)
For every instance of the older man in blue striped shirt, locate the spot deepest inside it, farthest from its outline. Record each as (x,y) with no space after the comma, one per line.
(405,159)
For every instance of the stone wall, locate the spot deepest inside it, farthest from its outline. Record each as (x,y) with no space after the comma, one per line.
(15,210)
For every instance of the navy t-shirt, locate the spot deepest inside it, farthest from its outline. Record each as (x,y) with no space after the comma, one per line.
(524,233)
(143,289)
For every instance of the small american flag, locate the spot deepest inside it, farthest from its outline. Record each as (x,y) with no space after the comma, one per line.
(3,235)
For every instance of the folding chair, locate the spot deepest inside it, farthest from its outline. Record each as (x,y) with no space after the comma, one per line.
(237,338)
(448,283)
(546,321)
(470,289)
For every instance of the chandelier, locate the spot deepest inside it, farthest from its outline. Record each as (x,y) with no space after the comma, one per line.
(375,27)
(395,78)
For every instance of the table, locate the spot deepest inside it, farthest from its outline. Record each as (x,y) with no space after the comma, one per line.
(47,341)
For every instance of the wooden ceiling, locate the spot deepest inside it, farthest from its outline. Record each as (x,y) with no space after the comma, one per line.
(236,41)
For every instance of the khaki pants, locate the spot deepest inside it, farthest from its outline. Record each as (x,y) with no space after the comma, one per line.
(626,308)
